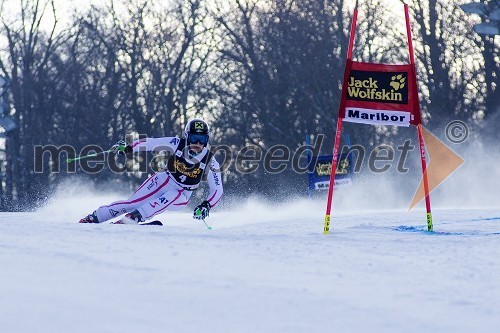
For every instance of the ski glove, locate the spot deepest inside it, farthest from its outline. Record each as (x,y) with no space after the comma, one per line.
(202,210)
(121,148)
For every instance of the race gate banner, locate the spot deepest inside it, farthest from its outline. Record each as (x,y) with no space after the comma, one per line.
(319,173)
(379,94)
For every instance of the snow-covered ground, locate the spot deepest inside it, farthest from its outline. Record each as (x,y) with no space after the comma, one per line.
(261,269)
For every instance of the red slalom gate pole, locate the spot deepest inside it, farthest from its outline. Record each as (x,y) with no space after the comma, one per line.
(353,32)
(416,107)
(424,175)
(326,227)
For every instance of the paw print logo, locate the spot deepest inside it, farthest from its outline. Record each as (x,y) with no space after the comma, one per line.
(398,82)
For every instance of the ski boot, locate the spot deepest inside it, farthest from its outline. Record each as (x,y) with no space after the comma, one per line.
(91,218)
(130,218)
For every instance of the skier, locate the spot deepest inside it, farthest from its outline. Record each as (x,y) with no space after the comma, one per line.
(170,189)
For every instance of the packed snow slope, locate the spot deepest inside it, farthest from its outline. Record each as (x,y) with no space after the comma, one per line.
(262,268)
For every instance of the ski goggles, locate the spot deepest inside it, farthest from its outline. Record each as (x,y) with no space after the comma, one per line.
(197,138)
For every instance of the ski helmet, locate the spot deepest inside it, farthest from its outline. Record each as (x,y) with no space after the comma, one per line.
(197,131)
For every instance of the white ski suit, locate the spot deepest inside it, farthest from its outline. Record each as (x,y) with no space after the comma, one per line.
(170,189)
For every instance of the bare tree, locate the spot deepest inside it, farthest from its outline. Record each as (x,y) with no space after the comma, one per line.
(456,74)
(30,61)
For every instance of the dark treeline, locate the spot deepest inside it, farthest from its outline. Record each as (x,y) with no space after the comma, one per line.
(261,72)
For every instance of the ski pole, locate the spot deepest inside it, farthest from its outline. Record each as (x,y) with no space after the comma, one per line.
(208,227)
(69,160)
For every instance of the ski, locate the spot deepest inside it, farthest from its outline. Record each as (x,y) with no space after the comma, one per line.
(156,222)
(130,221)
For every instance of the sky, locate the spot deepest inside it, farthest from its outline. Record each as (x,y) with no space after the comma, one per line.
(65,7)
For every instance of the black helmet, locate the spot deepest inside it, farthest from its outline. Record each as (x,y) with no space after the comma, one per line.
(196,131)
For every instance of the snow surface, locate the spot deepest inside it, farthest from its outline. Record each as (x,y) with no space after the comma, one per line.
(261,269)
